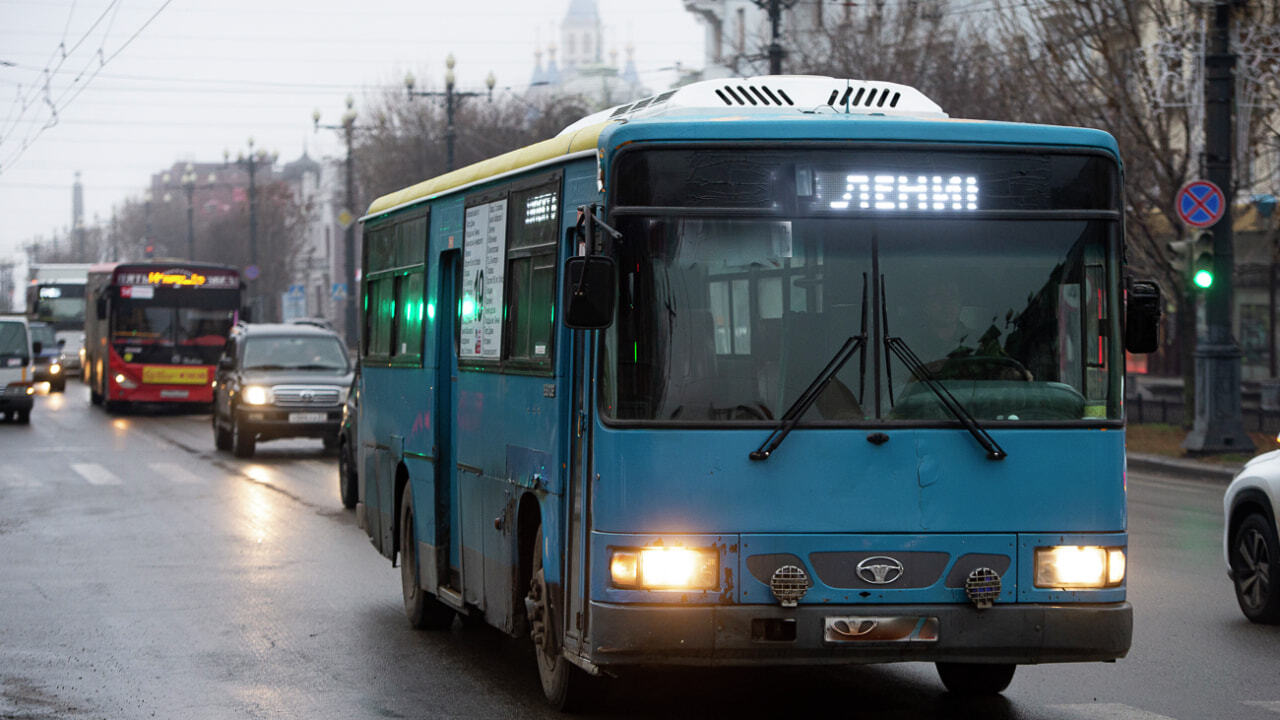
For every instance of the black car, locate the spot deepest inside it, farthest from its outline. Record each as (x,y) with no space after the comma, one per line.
(348,439)
(48,360)
(279,381)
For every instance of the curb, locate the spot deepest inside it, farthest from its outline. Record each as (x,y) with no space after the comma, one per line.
(1186,469)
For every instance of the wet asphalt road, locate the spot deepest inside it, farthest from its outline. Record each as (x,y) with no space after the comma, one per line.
(144,575)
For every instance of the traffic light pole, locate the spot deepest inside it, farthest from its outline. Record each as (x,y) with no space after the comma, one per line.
(1218,423)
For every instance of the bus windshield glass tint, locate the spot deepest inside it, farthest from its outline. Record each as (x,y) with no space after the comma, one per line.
(143,332)
(727,320)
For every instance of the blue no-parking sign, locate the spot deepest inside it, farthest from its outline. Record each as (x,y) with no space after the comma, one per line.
(1200,204)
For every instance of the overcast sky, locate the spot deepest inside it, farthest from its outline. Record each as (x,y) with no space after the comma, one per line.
(146,83)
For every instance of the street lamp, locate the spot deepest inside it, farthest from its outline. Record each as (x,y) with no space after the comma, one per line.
(449,96)
(348,128)
(250,161)
(189,184)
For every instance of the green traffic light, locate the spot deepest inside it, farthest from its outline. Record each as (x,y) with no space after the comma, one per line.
(1203,279)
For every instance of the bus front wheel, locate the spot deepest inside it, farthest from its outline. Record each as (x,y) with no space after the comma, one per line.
(566,687)
(424,611)
(974,679)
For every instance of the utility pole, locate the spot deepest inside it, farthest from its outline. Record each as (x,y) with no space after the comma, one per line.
(451,97)
(1218,423)
(251,161)
(775,8)
(348,128)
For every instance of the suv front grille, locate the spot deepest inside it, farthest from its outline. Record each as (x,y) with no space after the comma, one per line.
(305,395)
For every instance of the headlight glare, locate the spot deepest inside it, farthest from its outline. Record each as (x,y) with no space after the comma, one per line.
(666,568)
(55,368)
(256,395)
(123,381)
(1077,567)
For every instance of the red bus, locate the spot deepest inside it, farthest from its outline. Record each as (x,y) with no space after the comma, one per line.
(153,330)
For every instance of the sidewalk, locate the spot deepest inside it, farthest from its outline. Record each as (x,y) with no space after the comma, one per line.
(1183,468)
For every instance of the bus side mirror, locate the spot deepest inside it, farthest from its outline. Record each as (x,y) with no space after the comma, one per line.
(102,308)
(590,286)
(1142,317)
(37,347)
(226,363)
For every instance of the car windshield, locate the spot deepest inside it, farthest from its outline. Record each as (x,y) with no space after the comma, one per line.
(13,340)
(44,334)
(295,353)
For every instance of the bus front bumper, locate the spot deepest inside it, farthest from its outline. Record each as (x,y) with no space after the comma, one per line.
(772,635)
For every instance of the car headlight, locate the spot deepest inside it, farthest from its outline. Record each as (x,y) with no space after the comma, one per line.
(666,568)
(55,368)
(256,395)
(1071,566)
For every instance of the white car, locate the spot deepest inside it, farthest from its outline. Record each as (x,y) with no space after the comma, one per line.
(1249,539)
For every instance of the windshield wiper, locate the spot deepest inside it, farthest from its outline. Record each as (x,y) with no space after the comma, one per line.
(810,395)
(267,367)
(315,366)
(899,347)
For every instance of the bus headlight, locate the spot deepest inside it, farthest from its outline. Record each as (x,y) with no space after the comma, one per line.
(256,395)
(666,568)
(123,381)
(1071,566)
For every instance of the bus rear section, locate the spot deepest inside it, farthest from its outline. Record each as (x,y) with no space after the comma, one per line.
(153,331)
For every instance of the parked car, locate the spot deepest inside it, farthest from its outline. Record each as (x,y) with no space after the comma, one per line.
(279,381)
(48,360)
(348,439)
(16,368)
(1250,544)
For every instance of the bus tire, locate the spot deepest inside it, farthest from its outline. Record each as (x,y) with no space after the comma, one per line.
(1255,562)
(242,443)
(566,687)
(424,611)
(976,679)
(221,436)
(347,484)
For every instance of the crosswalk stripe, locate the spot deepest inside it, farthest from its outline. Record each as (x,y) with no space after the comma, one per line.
(1107,711)
(176,473)
(96,474)
(1272,705)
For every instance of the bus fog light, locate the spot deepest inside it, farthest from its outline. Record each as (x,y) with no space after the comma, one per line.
(666,568)
(982,587)
(1069,566)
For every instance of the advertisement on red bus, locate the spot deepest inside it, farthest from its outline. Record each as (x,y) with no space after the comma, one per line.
(153,330)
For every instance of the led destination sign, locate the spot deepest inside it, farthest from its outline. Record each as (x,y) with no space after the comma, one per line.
(177,277)
(883,191)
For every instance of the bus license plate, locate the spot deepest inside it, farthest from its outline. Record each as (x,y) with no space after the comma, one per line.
(880,629)
(307,417)
(174,393)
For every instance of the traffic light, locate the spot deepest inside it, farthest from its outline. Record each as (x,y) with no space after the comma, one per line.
(1202,266)
(149,251)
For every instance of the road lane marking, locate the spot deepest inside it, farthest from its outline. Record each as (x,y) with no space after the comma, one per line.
(96,474)
(1272,705)
(1107,711)
(10,478)
(174,472)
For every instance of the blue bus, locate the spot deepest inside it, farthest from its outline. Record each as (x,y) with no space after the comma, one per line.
(766,371)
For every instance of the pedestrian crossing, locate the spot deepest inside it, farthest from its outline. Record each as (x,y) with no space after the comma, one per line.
(92,474)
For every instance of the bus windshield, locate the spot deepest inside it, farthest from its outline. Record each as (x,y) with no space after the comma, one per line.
(60,305)
(726,314)
(142,332)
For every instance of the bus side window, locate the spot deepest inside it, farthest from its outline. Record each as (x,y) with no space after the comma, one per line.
(530,281)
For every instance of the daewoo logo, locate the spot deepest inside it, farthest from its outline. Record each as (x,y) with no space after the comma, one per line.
(879,570)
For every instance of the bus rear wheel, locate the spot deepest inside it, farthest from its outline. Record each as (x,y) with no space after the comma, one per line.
(976,679)
(566,687)
(424,611)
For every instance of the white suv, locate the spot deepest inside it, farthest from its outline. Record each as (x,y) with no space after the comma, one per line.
(1250,543)
(17,371)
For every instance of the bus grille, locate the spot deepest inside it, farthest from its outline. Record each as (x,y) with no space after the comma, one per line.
(305,395)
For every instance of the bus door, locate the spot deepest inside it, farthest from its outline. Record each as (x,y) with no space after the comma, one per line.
(448,541)
(577,494)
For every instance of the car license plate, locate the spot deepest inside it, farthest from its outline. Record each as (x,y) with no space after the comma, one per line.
(174,393)
(879,629)
(307,417)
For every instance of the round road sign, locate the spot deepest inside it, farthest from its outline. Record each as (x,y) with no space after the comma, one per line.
(251,272)
(1200,204)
